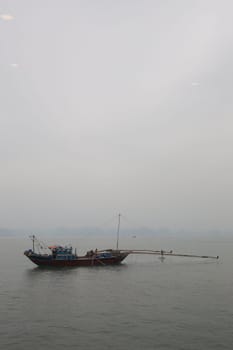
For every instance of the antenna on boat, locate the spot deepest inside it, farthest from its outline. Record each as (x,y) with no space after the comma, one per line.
(118,230)
(33,238)
(33,243)
(40,246)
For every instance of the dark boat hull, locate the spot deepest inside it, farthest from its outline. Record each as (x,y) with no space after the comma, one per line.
(48,261)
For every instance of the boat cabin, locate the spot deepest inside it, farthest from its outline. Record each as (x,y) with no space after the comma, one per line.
(62,253)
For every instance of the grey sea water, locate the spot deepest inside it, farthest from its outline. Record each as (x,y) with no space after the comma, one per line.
(142,304)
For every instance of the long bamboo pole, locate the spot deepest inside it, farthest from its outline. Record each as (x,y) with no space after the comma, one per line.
(163,252)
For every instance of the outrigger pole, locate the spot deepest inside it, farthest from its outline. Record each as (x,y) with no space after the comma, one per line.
(170,253)
(161,253)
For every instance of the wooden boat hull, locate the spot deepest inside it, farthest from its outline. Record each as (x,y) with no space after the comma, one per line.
(48,261)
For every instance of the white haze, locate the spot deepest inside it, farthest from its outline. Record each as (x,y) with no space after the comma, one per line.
(116,106)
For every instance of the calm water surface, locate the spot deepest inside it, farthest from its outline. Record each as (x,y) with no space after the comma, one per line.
(142,304)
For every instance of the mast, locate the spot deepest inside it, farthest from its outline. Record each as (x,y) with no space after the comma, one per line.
(118,230)
(33,243)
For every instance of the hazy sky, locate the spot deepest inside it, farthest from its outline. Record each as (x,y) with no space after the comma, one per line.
(116,106)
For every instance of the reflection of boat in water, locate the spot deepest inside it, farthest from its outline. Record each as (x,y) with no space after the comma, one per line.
(59,256)
(161,258)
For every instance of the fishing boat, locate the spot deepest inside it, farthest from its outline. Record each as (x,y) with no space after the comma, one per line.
(59,256)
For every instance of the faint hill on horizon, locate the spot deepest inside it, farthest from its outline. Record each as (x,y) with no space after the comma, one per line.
(134,232)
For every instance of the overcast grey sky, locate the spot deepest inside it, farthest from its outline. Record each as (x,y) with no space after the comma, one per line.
(116,106)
